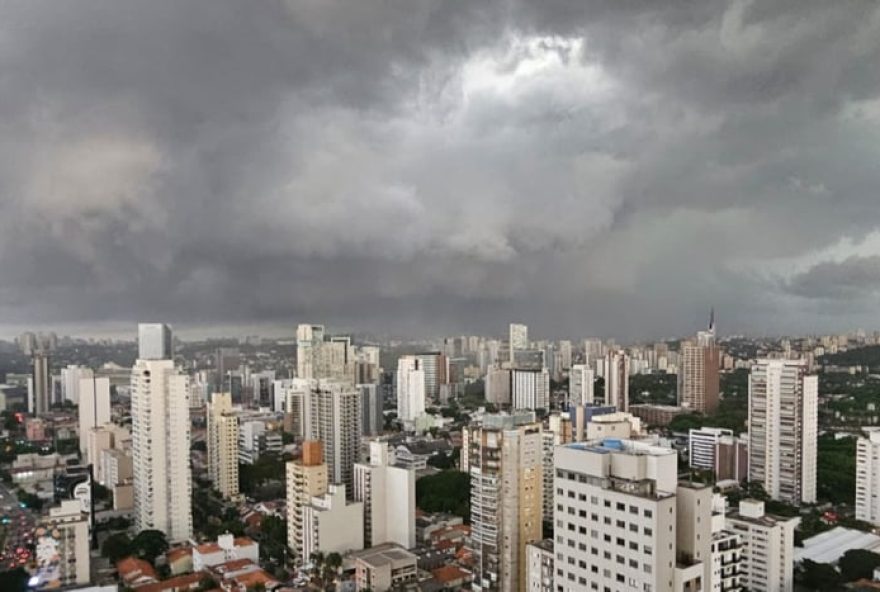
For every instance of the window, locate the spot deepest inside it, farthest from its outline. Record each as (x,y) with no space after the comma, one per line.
(649,513)
(621,507)
(633,510)
(649,531)
(621,524)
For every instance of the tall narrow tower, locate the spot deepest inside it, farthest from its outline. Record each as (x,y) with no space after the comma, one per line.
(160,439)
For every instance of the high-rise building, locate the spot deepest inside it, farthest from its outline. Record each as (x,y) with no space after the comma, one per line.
(580,385)
(530,389)
(388,492)
(868,476)
(70,378)
(517,339)
(783,427)
(698,380)
(331,524)
(617,379)
(39,384)
(62,548)
(372,416)
(497,387)
(732,459)
(161,449)
(308,338)
(539,566)
(565,355)
(222,443)
(155,342)
(306,478)
(434,365)
(410,388)
(227,360)
(767,547)
(333,416)
(94,410)
(505,462)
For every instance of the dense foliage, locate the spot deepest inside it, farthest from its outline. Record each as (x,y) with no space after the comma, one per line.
(447,491)
(836,466)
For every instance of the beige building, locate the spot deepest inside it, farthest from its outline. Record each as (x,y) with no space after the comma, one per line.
(505,460)
(222,443)
(698,380)
(384,568)
(616,375)
(539,566)
(306,478)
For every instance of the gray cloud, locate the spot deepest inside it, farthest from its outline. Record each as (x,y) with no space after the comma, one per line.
(593,168)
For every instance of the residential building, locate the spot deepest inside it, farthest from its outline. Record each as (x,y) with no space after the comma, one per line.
(767,547)
(222,443)
(505,459)
(308,339)
(331,524)
(783,428)
(580,385)
(410,388)
(372,407)
(62,548)
(702,445)
(306,478)
(388,492)
(539,566)
(868,476)
(616,375)
(518,339)
(257,437)
(39,384)
(731,459)
(698,380)
(497,386)
(657,415)
(435,368)
(615,518)
(93,411)
(70,379)
(155,342)
(334,419)
(384,568)
(161,449)
(530,389)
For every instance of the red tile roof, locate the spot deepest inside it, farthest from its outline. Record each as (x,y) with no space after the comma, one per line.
(449,573)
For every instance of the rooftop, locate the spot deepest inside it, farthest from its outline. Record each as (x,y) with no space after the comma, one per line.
(386,554)
(829,546)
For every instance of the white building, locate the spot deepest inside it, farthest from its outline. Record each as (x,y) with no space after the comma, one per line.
(161,449)
(767,547)
(70,379)
(580,385)
(615,517)
(616,374)
(388,492)
(410,388)
(332,525)
(702,444)
(530,389)
(868,477)
(94,409)
(539,566)
(308,339)
(154,342)
(62,548)
(783,428)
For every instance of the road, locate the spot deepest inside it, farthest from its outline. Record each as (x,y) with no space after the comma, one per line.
(16,530)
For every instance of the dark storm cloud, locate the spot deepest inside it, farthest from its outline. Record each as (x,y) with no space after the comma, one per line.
(852,278)
(590,167)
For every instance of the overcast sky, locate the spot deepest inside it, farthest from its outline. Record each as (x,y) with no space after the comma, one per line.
(424,166)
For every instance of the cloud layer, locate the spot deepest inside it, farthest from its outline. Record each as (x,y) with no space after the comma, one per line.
(608,168)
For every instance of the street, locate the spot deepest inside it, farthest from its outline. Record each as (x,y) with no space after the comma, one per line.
(16,530)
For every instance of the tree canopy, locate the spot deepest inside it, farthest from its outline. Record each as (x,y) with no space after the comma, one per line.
(447,491)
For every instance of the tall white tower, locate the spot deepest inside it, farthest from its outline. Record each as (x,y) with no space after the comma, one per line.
(783,427)
(94,409)
(617,379)
(410,388)
(154,342)
(160,439)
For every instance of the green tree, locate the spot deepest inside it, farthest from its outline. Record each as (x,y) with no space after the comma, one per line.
(447,491)
(149,544)
(818,576)
(857,564)
(116,547)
